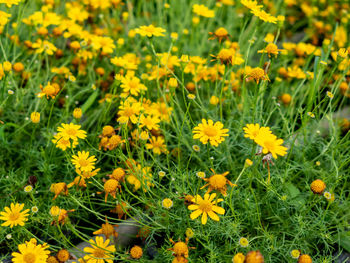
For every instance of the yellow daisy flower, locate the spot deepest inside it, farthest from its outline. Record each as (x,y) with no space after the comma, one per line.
(205,207)
(71,131)
(271,144)
(30,252)
(150,31)
(208,131)
(83,162)
(14,215)
(100,251)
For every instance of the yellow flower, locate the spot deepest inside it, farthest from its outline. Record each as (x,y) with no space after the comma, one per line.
(77,113)
(150,31)
(220,33)
(71,131)
(100,251)
(318,186)
(49,90)
(205,207)
(44,46)
(217,182)
(157,145)
(9,3)
(254,257)
(271,48)
(62,143)
(304,259)
(311,114)
(196,148)
(257,74)
(107,230)
(167,203)
(7,66)
(83,162)
(111,187)
(269,38)
(132,179)
(342,52)
(4,18)
(59,188)
(150,122)
(131,85)
(202,10)
(252,130)
(251,4)
(271,144)
(248,163)
(63,255)
(28,188)
(35,117)
(136,252)
(104,43)
(208,131)
(295,253)
(266,17)
(330,94)
(238,258)
(30,252)
(191,96)
(189,233)
(243,242)
(60,214)
(14,215)
(214,100)
(172,82)
(129,111)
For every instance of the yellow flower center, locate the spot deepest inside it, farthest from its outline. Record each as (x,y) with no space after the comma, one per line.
(180,248)
(49,90)
(205,206)
(217,181)
(221,32)
(72,132)
(107,229)
(269,145)
(224,54)
(83,163)
(29,258)
(133,85)
(272,48)
(210,132)
(111,185)
(13,216)
(257,73)
(99,253)
(128,112)
(147,122)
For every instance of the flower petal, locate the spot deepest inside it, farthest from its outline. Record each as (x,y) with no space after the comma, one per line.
(218,209)
(213,216)
(193,207)
(204,218)
(196,214)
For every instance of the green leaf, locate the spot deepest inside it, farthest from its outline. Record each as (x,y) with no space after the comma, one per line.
(344,240)
(89,101)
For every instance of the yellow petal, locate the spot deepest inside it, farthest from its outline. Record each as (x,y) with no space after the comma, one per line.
(213,216)
(218,209)
(212,196)
(193,207)
(195,214)
(204,218)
